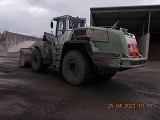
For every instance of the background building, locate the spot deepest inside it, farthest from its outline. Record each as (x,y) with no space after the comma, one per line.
(142,21)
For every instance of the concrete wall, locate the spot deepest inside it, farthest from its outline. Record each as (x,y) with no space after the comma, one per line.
(12,42)
(2,46)
(2,43)
(143,44)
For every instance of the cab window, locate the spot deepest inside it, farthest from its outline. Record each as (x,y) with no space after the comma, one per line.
(61,27)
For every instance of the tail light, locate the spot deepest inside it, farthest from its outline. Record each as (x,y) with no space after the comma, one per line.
(83,37)
(133,51)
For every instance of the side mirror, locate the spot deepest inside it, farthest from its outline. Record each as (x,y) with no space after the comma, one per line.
(83,21)
(51,24)
(44,38)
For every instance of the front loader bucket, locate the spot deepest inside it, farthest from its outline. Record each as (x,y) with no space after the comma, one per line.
(25,57)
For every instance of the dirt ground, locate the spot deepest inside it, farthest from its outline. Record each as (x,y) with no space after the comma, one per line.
(129,95)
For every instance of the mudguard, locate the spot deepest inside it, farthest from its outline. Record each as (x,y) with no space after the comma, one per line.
(82,45)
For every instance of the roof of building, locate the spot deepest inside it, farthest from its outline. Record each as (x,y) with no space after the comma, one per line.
(130,17)
(126,8)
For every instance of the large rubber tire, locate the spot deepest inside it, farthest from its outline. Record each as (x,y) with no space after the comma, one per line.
(75,68)
(37,62)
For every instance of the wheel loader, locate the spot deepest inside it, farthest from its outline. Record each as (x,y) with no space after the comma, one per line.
(81,52)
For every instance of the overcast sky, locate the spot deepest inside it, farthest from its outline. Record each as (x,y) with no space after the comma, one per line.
(32,17)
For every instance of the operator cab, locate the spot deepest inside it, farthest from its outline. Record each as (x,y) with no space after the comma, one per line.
(67,23)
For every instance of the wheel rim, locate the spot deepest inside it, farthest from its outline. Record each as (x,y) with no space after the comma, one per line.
(72,68)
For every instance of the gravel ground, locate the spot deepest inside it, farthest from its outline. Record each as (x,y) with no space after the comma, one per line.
(129,95)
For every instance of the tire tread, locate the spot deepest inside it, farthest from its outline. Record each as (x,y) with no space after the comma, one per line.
(88,73)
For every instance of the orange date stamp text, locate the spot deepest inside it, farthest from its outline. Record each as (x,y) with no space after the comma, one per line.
(129,105)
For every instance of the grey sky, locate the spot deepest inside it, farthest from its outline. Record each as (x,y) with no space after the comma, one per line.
(32,17)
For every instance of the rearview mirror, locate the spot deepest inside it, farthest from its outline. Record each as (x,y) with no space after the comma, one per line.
(83,21)
(51,24)
(44,38)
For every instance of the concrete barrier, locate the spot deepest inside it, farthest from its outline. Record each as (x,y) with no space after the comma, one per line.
(12,42)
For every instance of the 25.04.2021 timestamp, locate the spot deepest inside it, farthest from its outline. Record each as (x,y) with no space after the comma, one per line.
(129,106)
